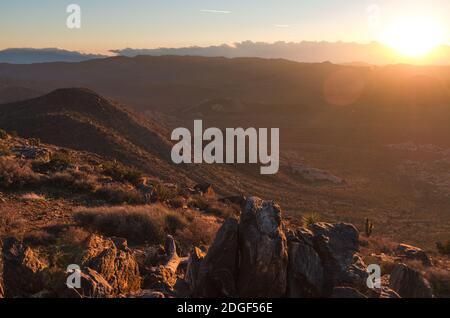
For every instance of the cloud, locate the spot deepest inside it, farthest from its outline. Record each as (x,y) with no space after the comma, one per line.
(215,11)
(281,25)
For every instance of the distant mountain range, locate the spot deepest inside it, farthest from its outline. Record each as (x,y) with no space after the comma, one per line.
(307,51)
(30,55)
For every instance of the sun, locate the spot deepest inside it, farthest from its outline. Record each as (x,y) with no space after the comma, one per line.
(413,37)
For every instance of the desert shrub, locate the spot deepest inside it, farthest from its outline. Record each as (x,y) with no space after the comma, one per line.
(60,159)
(14,174)
(221,210)
(200,232)
(73,236)
(136,224)
(122,173)
(75,180)
(443,248)
(382,245)
(199,202)
(175,221)
(310,219)
(4,150)
(176,203)
(162,193)
(439,279)
(39,238)
(3,134)
(116,193)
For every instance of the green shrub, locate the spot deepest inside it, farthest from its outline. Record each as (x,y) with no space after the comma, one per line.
(310,219)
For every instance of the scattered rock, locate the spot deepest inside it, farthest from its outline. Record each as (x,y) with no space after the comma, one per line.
(346,292)
(409,283)
(218,271)
(413,253)
(93,285)
(305,270)
(337,246)
(263,251)
(31,152)
(22,269)
(114,261)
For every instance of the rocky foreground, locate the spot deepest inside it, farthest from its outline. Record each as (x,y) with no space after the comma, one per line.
(255,255)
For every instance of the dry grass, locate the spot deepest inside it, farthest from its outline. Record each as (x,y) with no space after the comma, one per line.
(150,224)
(32,197)
(15,174)
(116,193)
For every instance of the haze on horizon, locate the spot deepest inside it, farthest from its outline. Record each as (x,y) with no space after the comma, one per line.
(409,27)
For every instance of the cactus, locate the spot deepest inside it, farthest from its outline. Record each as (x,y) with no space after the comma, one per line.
(369,227)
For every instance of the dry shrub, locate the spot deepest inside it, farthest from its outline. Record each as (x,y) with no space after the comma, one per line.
(75,180)
(440,281)
(116,193)
(162,193)
(200,232)
(138,224)
(382,245)
(198,202)
(39,238)
(73,235)
(32,197)
(10,221)
(122,173)
(222,210)
(14,174)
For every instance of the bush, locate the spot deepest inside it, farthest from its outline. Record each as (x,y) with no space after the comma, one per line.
(122,173)
(60,159)
(3,134)
(117,193)
(75,180)
(310,219)
(199,202)
(443,248)
(137,224)
(162,193)
(16,175)
(4,150)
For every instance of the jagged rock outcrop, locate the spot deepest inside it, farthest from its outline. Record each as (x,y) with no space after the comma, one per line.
(93,285)
(218,271)
(337,246)
(305,270)
(409,283)
(413,253)
(22,269)
(193,268)
(263,251)
(165,276)
(113,260)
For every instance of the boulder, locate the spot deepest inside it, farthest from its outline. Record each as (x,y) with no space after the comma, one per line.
(337,246)
(305,270)
(22,269)
(346,292)
(112,259)
(93,285)
(413,253)
(218,270)
(409,283)
(263,251)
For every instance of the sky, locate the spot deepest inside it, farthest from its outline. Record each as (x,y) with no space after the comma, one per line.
(117,24)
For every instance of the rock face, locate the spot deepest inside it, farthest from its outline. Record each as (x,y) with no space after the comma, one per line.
(413,253)
(22,270)
(218,271)
(305,270)
(337,246)
(93,285)
(263,251)
(113,260)
(409,283)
